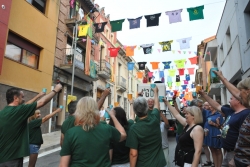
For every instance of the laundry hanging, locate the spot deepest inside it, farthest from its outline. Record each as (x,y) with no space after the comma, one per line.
(187,76)
(166,45)
(185,82)
(147,48)
(181,71)
(177,79)
(134,23)
(130,65)
(184,42)
(99,27)
(196,13)
(154,65)
(161,74)
(167,64)
(152,20)
(83,30)
(171,72)
(180,63)
(174,16)
(116,25)
(169,79)
(113,52)
(142,65)
(190,71)
(193,60)
(130,50)
(150,74)
(139,74)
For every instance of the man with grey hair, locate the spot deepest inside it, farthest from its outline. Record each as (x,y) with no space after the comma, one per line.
(144,138)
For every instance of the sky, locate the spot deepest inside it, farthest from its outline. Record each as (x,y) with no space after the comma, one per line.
(197,29)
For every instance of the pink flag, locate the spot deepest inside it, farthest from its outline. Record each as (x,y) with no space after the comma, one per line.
(124,46)
(72,3)
(150,74)
(159,50)
(189,52)
(190,71)
(185,82)
(179,51)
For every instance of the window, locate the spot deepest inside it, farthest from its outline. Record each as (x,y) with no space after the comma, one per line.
(39,4)
(22,51)
(247,21)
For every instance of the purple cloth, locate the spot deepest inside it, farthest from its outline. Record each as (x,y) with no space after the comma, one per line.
(134,23)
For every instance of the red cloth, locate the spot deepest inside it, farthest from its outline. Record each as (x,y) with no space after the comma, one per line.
(113,52)
(145,80)
(190,71)
(181,71)
(193,60)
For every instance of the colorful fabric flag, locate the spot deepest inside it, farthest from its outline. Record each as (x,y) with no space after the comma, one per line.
(142,65)
(130,65)
(181,71)
(193,60)
(83,30)
(116,25)
(184,87)
(184,43)
(169,79)
(185,82)
(130,50)
(174,16)
(189,52)
(171,72)
(113,52)
(154,65)
(167,64)
(81,13)
(170,84)
(150,74)
(196,13)
(166,45)
(99,27)
(178,83)
(161,74)
(179,51)
(180,63)
(152,20)
(147,48)
(145,80)
(159,50)
(177,78)
(190,71)
(90,32)
(187,76)
(134,23)
(139,74)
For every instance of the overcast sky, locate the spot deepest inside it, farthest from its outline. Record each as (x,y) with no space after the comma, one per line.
(197,29)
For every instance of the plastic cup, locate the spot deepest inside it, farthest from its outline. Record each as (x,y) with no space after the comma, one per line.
(110,106)
(194,94)
(130,96)
(107,85)
(198,88)
(61,106)
(44,90)
(161,98)
(152,85)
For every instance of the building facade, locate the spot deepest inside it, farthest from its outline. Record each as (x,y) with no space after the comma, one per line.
(27,48)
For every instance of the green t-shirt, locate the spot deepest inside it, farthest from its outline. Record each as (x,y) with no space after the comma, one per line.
(120,151)
(14,137)
(116,25)
(145,136)
(35,132)
(68,123)
(137,118)
(89,148)
(196,13)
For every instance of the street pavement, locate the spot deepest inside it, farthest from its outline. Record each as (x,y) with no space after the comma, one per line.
(51,158)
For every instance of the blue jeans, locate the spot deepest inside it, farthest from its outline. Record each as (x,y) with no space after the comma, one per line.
(34,149)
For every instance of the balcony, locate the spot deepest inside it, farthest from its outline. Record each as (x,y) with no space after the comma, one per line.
(214,84)
(104,70)
(121,84)
(67,65)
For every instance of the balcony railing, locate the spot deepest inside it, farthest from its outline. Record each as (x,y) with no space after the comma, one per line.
(104,69)
(121,82)
(69,56)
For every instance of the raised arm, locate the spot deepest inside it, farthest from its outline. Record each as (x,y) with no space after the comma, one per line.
(197,135)
(45,99)
(103,97)
(231,88)
(156,98)
(118,126)
(47,117)
(175,112)
(212,102)
(35,98)
(132,113)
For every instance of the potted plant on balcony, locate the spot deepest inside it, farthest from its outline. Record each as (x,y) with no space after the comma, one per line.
(69,59)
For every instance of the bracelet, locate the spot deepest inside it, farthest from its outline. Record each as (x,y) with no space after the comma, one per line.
(54,91)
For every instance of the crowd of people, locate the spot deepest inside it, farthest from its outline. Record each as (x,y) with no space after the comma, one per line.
(93,136)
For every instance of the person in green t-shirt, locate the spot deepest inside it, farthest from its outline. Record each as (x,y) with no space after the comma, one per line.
(119,153)
(144,137)
(35,134)
(70,121)
(14,143)
(87,144)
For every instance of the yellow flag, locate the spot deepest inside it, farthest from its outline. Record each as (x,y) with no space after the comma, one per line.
(83,30)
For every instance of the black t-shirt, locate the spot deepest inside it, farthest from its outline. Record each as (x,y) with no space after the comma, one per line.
(153,20)
(177,78)
(142,65)
(147,48)
(99,27)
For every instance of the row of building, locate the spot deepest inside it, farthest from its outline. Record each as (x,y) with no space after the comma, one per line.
(228,51)
(37,43)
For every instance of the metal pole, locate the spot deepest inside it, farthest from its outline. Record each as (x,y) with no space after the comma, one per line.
(73,66)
